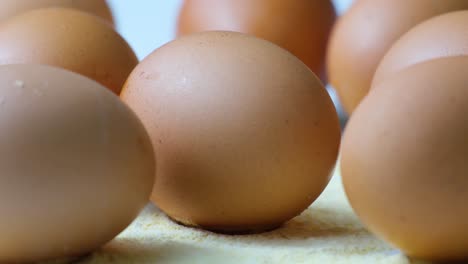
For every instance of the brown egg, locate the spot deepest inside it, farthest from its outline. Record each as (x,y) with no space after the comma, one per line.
(404,160)
(300,26)
(441,36)
(77,165)
(366,32)
(10,8)
(71,39)
(245,135)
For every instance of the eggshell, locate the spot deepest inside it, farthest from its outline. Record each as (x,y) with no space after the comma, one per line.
(245,134)
(441,36)
(76,164)
(300,26)
(70,39)
(10,8)
(366,32)
(404,160)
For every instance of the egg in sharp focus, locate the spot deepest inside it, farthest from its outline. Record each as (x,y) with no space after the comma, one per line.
(363,35)
(70,39)
(76,164)
(404,160)
(245,135)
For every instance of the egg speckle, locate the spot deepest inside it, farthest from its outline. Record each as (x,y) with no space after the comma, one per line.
(245,134)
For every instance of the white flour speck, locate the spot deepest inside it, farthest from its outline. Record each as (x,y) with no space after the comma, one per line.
(19,83)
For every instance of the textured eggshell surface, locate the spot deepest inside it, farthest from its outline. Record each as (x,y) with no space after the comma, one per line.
(245,134)
(76,164)
(300,26)
(70,39)
(404,159)
(442,36)
(362,37)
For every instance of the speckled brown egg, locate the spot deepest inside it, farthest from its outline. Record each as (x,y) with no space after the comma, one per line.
(366,32)
(76,164)
(300,26)
(404,160)
(10,8)
(245,134)
(70,39)
(442,36)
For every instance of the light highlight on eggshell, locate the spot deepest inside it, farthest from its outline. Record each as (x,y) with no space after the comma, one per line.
(77,165)
(10,8)
(362,37)
(404,160)
(245,135)
(441,36)
(70,39)
(300,26)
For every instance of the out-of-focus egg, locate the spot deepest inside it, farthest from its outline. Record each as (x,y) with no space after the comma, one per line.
(77,165)
(10,8)
(70,39)
(441,36)
(404,159)
(245,135)
(366,32)
(300,26)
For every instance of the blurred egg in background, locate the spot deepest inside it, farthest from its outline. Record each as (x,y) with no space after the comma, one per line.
(70,39)
(10,8)
(300,26)
(151,24)
(156,20)
(362,37)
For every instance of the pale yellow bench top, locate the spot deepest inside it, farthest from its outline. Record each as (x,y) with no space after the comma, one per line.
(327,232)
